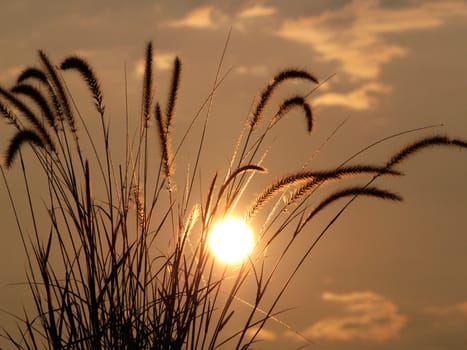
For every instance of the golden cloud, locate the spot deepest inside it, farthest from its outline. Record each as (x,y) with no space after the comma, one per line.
(256,70)
(211,17)
(362,98)
(257,11)
(162,61)
(367,316)
(263,334)
(355,36)
(201,17)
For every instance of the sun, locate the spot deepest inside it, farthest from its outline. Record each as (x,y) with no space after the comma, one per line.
(231,240)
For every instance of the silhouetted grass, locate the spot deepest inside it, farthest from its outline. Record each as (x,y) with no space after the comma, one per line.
(124,261)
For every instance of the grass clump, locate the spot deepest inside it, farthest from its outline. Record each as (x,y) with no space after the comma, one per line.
(123,261)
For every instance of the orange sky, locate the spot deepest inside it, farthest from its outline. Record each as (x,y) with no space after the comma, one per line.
(387,275)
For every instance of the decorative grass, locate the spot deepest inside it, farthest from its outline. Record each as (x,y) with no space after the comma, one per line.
(124,261)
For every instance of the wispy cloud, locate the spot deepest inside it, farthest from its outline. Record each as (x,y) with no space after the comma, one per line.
(257,11)
(256,70)
(202,17)
(367,316)
(358,38)
(263,334)
(162,61)
(212,17)
(355,36)
(362,98)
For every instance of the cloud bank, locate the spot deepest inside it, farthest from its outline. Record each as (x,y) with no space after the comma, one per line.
(162,61)
(205,17)
(367,316)
(359,39)
(362,98)
(212,17)
(356,35)
(257,11)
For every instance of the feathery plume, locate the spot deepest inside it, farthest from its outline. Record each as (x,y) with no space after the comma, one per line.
(36,96)
(325,176)
(21,136)
(9,115)
(354,191)
(266,94)
(83,67)
(148,89)
(277,186)
(139,202)
(173,91)
(30,116)
(311,179)
(63,107)
(190,221)
(243,169)
(293,102)
(32,73)
(422,144)
(164,139)
(37,74)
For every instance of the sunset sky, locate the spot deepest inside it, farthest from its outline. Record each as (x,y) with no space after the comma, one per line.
(387,275)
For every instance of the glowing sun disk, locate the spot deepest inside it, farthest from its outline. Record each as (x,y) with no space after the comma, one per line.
(231,240)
